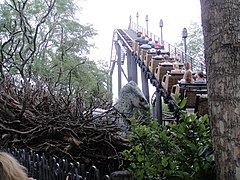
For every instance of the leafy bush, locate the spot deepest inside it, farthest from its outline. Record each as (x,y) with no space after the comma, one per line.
(171,152)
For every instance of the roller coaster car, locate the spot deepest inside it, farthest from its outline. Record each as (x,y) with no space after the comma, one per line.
(193,85)
(143,53)
(161,69)
(148,58)
(201,107)
(141,50)
(162,52)
(175,90)
(154,63)
(170,79)
(152,51)
(135,46)
(191,90)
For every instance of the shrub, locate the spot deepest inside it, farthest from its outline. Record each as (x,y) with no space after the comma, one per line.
(171,152)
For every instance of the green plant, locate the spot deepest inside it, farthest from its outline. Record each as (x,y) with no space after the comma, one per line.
(165,107)
(181,102)
(171,152)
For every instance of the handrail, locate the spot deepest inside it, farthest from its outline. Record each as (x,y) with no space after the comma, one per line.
(172,49)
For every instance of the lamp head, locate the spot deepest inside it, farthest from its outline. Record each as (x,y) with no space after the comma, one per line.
(161,23)
(184,33)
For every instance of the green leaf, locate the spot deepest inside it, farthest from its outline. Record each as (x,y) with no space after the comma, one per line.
(164,150)
(172,165)
(202,149)
(192,147)
(165,161)
(140,158)
(183,103)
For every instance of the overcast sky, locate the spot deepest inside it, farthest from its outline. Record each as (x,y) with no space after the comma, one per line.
(107,15)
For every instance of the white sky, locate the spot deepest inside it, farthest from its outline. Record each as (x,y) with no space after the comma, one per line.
(107,15)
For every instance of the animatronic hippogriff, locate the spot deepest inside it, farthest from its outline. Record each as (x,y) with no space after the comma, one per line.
(130,97)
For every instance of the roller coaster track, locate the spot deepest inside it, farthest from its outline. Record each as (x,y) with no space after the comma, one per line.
(125,39)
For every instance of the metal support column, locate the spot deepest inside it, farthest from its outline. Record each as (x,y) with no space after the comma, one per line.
(134,69)
(145,87)
(156,102)
(129,65)
(118,52)
(159,108)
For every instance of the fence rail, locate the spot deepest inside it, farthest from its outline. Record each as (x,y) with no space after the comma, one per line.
(195,63)
(53,168)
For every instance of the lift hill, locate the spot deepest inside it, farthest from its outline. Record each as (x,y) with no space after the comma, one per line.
(153,70)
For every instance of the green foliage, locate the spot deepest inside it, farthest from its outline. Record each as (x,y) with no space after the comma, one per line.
(171,152)
(181,102)
(165,107)
(44,43)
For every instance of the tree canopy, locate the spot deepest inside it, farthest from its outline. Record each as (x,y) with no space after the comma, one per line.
(195,48)
(43,43)
(49,87)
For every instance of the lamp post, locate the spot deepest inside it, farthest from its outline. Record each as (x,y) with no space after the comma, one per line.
(130,22)
(161,26)
(137,20)
(184,36)
(147,23)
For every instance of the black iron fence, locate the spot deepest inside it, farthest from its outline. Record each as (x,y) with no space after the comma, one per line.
(54,168)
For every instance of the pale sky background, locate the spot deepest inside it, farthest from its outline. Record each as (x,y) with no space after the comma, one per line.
(107,15)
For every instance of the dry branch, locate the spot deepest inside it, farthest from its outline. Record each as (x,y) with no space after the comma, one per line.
(47,126)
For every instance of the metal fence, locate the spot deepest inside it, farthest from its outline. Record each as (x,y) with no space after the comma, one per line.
(196,64)
(53,168)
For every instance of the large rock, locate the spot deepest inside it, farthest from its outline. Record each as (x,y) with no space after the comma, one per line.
(121,175)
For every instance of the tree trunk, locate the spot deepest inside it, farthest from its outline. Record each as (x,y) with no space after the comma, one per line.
(221,29)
